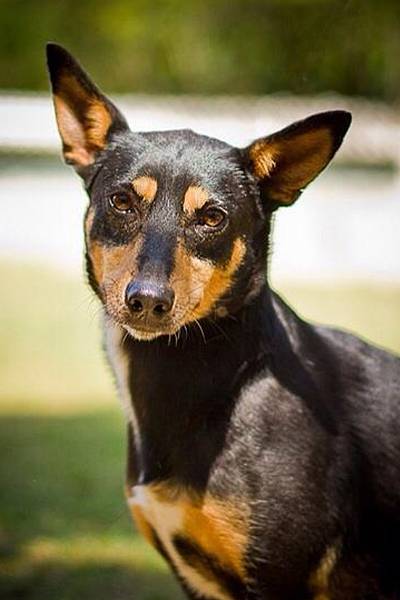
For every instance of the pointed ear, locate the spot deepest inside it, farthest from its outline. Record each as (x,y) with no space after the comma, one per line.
(287,161)
(85,117)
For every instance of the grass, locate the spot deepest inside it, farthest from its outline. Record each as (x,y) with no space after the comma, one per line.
(65,532)
(64,529)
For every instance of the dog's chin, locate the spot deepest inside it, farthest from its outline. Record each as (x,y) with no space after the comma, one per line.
(145,335)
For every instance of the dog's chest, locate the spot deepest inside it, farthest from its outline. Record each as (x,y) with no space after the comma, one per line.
(205,539)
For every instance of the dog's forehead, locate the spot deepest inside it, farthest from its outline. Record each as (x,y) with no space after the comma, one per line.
(179,156)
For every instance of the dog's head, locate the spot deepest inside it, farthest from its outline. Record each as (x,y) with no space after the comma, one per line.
(177,225)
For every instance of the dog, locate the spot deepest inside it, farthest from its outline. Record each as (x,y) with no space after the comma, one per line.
(263,451)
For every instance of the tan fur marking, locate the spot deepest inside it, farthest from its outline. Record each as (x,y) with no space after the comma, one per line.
(200,282)
(217,527)
(95,250)
(82,136)
(107,261)
(145,187)
(166,508)
(195,198)
(291,164)
(139,519)
(190,275)
(142,524)
(96,254)
(99,121)
(319,580)
(113,267)
(219,530)
(263,156)
(220,280)
(112,261)
(89,218)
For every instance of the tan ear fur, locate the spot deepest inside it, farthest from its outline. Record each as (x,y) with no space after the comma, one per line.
(84,115)
(83,122)
(286,162)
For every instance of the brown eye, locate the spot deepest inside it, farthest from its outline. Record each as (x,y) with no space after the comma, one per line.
(212,217)
(121,203)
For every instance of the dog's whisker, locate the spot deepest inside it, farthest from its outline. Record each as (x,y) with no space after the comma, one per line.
(201,330)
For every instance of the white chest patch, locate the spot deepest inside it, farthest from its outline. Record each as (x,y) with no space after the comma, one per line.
(114,336)
(167,520)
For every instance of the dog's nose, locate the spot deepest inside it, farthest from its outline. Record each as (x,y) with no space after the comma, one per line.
(149,297)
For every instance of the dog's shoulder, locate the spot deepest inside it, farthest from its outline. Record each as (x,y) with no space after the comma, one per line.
(348,355)
(353,388)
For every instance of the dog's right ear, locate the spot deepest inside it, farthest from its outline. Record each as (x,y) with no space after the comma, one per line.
(86,119)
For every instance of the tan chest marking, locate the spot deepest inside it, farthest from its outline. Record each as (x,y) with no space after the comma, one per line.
(320,578)
(218,528)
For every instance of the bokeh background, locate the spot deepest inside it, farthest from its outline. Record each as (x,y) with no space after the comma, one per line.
(235,69)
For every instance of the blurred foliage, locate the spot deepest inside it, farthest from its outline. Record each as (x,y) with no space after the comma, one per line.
(210,46)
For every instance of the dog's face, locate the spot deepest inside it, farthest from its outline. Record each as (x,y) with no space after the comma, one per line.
(168,229)
(176,229)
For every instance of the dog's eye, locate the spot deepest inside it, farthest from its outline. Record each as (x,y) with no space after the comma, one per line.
(212,217)
(121,203)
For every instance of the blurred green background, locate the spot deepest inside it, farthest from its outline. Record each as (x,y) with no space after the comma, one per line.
(210,47)
(64,530)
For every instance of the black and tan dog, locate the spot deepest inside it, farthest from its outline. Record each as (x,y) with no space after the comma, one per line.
(264,452)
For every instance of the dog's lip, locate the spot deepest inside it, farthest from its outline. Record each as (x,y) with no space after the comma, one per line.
(160,330)
(145,329)
(168,326)
(141,333)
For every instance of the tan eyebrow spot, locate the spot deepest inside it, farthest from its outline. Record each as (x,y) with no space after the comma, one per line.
(195,198)
(145,187)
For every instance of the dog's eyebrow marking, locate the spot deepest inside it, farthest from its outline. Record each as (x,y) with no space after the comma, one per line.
(145,187)
(195,198)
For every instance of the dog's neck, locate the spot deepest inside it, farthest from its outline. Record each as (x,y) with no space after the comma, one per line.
(183,391)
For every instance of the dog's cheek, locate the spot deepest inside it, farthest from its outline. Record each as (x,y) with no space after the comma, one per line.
(220,280)
(113,268)
(93,254)
(188,280)
(199,284)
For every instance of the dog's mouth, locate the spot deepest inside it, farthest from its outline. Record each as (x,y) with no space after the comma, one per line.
(147,334)
(146,322)
(150,307)
(149,329)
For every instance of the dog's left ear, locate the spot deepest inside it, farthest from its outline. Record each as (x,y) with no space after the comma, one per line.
(287,161)
(86,118)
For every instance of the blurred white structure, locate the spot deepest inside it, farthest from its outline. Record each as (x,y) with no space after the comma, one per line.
(345,226)
(27,121)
